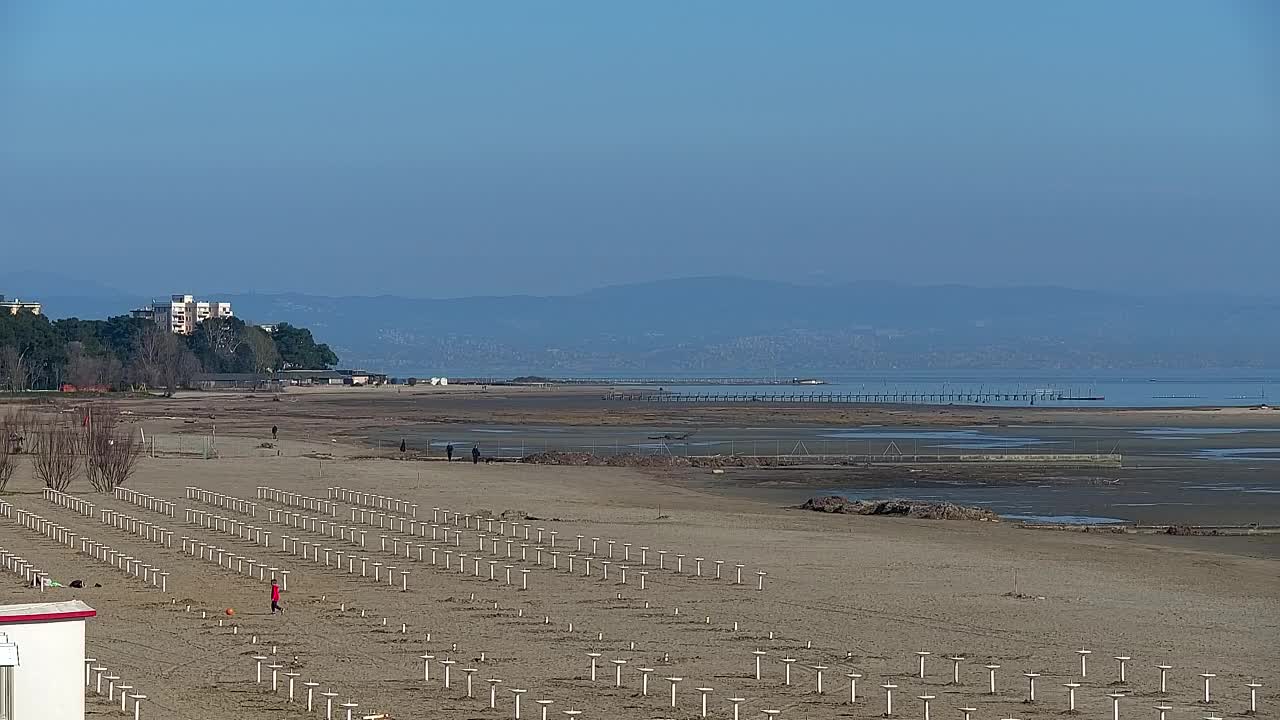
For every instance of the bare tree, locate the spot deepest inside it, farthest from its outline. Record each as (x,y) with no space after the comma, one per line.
(111,373)
(21,422)
(162,362)
(8,444)
(110,453)
(188,368)
(83,370)
(15,371)
(152,354)
(54,452)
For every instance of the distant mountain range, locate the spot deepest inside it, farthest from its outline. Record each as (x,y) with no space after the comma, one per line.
(723,325)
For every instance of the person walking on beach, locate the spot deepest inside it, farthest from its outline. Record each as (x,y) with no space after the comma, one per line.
(475,454)
(275,598)
(448,451)
(274,432)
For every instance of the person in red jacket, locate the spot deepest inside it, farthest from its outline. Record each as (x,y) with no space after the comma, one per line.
(275,598)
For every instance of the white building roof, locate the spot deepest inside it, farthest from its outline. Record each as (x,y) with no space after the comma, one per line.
(45,612)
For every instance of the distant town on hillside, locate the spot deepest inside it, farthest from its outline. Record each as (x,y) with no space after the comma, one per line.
(733,326)
(180,343)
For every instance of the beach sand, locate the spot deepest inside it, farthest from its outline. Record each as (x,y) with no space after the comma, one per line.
(851,593)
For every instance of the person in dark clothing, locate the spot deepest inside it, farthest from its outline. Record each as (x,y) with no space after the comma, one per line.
(448,451)
(402,446)
(274,431)
(275,598)
(475,454)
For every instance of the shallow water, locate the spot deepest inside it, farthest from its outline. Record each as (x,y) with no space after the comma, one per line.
(1251,453)
(1187,475)
(1154,501)
(1201,444)
(1065,519)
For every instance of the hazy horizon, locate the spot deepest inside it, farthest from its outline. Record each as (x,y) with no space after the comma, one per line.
(445,150)
(34,286)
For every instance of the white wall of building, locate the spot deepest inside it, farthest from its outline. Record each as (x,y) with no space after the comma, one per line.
(184,313)
(49,681)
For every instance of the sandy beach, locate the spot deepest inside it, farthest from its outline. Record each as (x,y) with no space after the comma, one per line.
(853,594)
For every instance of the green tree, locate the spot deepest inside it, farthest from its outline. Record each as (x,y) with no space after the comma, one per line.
(299,350)
(38,354)
(32,355)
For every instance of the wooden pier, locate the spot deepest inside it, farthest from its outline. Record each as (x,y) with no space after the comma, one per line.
(949,398)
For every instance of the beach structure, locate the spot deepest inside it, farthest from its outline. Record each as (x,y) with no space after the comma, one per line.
(1207,678)
(818,669)
(853,686)
(992,670)
(888,698)
(42,660)
(1115,704)
(1253,696)
(926,699)
(1084,661)
(1123,660)
(1031,685)
(787,663)
(674,682)
(704,691)
(922,654)
(1071,695)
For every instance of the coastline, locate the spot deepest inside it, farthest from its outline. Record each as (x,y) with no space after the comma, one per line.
(1158,483)
(377,419)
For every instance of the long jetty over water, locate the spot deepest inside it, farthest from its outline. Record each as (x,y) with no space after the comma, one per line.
(950,398)
(643,382)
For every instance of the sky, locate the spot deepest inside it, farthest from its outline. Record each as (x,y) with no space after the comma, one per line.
(443,149)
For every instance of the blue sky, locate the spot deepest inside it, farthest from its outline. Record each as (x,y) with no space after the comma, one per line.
(443,149)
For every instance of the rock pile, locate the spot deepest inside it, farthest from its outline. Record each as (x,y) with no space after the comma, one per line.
(900,508)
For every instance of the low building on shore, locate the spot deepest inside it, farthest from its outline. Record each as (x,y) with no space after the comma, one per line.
(237,381)
(310,377)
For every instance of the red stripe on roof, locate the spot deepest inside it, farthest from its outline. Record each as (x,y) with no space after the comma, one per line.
(47,617)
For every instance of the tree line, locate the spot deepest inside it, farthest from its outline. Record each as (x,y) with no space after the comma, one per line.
(123,352)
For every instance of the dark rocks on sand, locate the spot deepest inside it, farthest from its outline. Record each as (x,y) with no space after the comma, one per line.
(900,508)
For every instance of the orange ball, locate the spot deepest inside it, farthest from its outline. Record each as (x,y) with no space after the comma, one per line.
(230,611)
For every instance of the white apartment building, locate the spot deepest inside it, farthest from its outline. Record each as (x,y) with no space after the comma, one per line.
(15,306)
(183,313)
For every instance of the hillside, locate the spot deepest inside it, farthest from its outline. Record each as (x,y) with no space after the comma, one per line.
(732,325)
